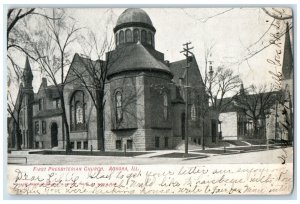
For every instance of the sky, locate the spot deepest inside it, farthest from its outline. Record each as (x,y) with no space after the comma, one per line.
(231,31)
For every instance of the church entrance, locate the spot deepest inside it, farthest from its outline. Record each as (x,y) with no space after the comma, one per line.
(183,126)
(54,131)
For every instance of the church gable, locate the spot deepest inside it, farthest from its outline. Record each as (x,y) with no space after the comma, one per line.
(83,68)
(178,69)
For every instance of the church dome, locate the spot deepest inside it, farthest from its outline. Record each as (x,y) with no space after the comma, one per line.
(134,15)
(134,25)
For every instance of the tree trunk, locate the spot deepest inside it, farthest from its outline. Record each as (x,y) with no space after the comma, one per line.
(64,117)
(18,138)
(255,129)
(100,121)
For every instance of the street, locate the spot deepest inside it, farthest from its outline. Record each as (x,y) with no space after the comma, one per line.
(157,157)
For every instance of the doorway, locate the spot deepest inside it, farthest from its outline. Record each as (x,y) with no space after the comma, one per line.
(54,131)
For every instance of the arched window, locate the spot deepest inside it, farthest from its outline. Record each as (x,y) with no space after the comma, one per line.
(144,36)
(121,37)
(193,112)
(77,111)
(128,36)
(136,35)
(165,106)
(117,39)
(149,38)
(152,38)
(118,101)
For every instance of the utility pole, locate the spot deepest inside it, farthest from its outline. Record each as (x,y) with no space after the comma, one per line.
(186,51)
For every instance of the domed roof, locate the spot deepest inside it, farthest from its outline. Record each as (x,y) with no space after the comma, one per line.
(135,57)
(134,15)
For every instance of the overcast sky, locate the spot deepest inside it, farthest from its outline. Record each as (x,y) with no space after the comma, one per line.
(233,31)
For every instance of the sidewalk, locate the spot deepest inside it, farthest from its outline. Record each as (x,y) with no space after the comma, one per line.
(156,157)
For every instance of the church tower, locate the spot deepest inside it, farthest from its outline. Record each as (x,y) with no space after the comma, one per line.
(139,87)
(27,101)
(134,25)
(288,85)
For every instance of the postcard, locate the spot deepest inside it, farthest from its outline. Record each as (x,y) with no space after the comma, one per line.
(150,101)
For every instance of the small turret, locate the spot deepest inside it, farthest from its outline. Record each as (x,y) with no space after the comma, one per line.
(27,74)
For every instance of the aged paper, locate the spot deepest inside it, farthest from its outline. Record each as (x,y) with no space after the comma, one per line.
(150,101)
(246,179)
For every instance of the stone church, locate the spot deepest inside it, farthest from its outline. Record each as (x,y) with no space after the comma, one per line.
(144,99)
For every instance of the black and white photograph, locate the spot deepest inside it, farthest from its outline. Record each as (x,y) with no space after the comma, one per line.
(185,100)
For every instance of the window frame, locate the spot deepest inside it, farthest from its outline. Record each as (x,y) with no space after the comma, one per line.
(37,127)
(165,106)
(121,37)
(149,38)
(118,106)
(41,101)
(78,101)
(136,35)
(156,143)
(129,142)
(118,146)
(144,36)
(44,127)
(166,142)
(193,112)
(128,36)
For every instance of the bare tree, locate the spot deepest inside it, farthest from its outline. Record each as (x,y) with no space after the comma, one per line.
(18,37)
(14,108)
(256,102)
(93,76)
(203,111)
(51,51)
(221,84)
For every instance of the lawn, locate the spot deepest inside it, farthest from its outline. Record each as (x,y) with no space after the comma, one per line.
(180,155)
(89,153)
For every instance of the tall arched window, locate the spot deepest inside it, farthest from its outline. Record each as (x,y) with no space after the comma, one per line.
(77,111)
(121,37)
(152,38)
(144,36)
(193,112)
(117,39)
(149,38)
(128,36)
(165,106)
(136,35)
(118,101)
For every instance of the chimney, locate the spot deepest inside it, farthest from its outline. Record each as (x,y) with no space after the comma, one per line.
(44,82)
(167,62)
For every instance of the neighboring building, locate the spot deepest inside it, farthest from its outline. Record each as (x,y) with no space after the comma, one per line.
(144,108)
(278,121)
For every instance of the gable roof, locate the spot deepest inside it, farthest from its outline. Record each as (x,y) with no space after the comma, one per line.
(51,92)
(178,70)
(82,66)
